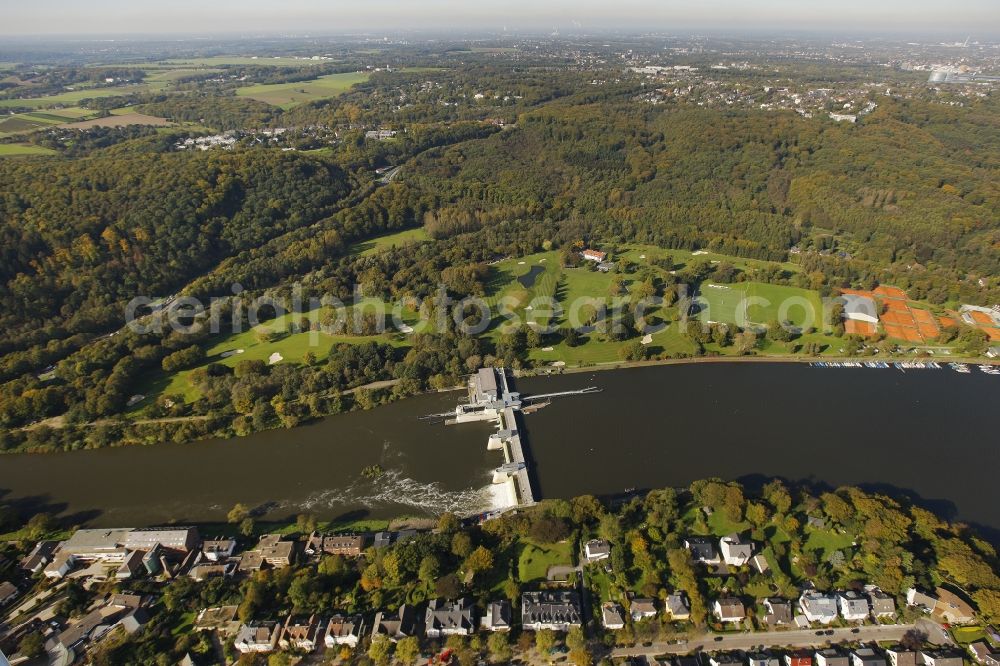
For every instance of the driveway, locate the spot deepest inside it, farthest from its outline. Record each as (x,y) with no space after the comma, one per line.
(794,638)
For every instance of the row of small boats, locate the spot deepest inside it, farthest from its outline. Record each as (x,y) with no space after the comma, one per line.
(907,365)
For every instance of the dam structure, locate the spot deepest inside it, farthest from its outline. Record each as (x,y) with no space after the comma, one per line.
(491,398)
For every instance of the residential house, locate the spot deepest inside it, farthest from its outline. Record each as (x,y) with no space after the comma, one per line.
(735,550)
(594,255)
(865,656)
(223,619)
(132,566)
(940,658)
(299,634)
(984,654)
(550,609)
(8,592)
(348,545)
(39,556)
(445,618)
(396,625)
(759,562)
(205,570)
(762,659)
(952,608)
(799,658)
(702,550)
(689,660)
(900,656)
(641,609)
(271,550)
(344,630)
(258,637)
(852,606)
(944,604)
(778,612)
(914,597)
(216,550)
(498,616)
(882,604)
(677,607)
(831,657)
(729,609)
(612,615)
(725,659)
(90,627)
(597,549)
(60,566)
(818,607)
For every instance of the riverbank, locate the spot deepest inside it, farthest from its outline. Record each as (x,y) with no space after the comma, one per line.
(785,358)
(649,427)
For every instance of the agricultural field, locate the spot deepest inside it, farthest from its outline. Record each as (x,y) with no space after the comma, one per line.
(121,120)
(397,239)
(745,303)
(288,95)
(35,120)
(17,149)
(220,61)
(70,97)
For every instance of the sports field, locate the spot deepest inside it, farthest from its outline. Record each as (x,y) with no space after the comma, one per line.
(288,95)
(746,303)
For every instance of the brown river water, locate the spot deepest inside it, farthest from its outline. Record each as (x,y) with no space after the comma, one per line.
(931,434)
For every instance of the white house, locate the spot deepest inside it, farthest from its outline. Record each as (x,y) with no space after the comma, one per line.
(612,615)
(343,631)
(497,616)
(852,606)
(597,549)
(729,609)
(258,637)
(735,551)
(641,609)
(594,255)
(818,607)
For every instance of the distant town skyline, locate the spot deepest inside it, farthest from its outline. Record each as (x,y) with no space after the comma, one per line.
(979,19)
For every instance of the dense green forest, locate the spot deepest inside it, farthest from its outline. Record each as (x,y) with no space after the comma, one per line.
(497,159)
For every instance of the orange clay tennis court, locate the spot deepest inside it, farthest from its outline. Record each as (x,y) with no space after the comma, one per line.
(855,327)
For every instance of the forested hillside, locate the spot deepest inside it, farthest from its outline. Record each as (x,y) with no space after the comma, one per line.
(81,238)
(475,158)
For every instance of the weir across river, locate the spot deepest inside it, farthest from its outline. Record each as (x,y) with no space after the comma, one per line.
(491,398)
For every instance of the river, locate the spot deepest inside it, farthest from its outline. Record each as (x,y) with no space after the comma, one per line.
(930,433)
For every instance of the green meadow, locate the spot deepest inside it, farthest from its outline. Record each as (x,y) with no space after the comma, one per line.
(288,95)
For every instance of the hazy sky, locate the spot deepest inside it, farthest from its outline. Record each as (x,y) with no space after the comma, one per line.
(979,18)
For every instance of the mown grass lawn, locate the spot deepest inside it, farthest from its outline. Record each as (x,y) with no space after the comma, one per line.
(967,635)
(387,241)
(721,525)
(291,346)
(534,560)
(759,303)
(827,541)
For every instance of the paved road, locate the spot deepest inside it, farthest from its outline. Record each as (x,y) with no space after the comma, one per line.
(794,638)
